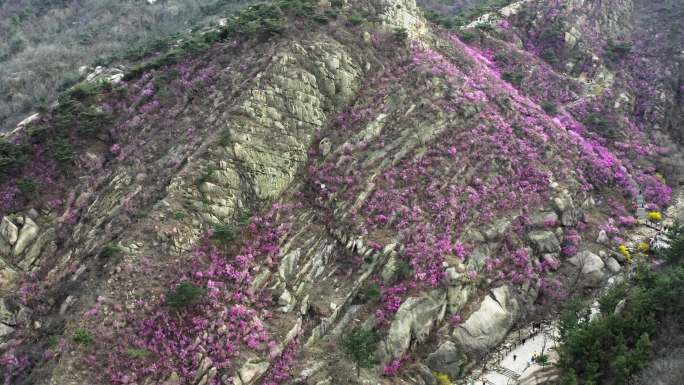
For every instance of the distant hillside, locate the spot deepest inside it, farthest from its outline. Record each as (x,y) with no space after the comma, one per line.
(44,42)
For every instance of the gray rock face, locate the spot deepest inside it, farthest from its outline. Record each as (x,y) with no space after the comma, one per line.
(414,319)
(28,233)
(448,358)
(251,371)
(457,297)
(488,325)
(544,241)
(612,265)
(7,275)
(8,231)
(496,229)
(543,217)
(591,265)
(602,237)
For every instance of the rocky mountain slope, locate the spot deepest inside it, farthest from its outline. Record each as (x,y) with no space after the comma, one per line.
(228,212)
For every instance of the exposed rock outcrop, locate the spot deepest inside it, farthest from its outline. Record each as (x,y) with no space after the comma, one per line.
(490,323)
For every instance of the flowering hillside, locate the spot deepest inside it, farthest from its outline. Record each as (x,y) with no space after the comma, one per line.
(329,193)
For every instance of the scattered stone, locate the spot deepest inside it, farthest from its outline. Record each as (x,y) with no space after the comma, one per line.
(612,265)
(174,379)
(28,233)
(65,305)
(448,358)
(252,370)
(562,203)
(497,229)
(544,241)
(389,271)
(8,231)
(285,298)
(288,264)
(602,237)
(591,265)
(544,219)
(324,146)
(5,330)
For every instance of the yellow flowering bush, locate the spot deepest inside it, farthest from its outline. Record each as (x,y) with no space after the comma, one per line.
(443,378)
(642,247)
(625,251)
(655,216)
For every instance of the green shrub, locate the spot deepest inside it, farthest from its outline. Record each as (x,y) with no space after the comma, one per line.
(53,341)
(138,354)
(553,33)
(550,108)
(61,148)
(224,233)
(244,218)
(485,27)
(11,157)
(403,270)
(370,292)
(110,250)
(675,253)
(513,77)
(83,337)
(549,56)
(596,121)
(360,344)
(185,295)
(542,360)
(91,121)
(356,19)
(28,187)
(617,50)
(264,18)
(467,36)
(83,90)
(400,34)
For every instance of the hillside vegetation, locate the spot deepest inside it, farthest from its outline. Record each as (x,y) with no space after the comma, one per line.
(343,192)
(44,42)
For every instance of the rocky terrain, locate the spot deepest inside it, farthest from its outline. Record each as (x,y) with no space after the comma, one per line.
(235,210)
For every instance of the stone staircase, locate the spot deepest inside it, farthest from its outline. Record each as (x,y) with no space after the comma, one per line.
(507,372)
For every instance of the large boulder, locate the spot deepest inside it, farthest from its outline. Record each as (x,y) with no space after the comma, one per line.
(8,231)
(448,358)
(28,233)
(591,267)
(413,320)
(613,265)
(488,325)
(544,241)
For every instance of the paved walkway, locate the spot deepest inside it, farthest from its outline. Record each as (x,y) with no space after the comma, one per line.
(518,360)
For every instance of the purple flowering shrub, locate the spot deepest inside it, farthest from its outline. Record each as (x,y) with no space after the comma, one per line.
(229,319)
(480,168)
